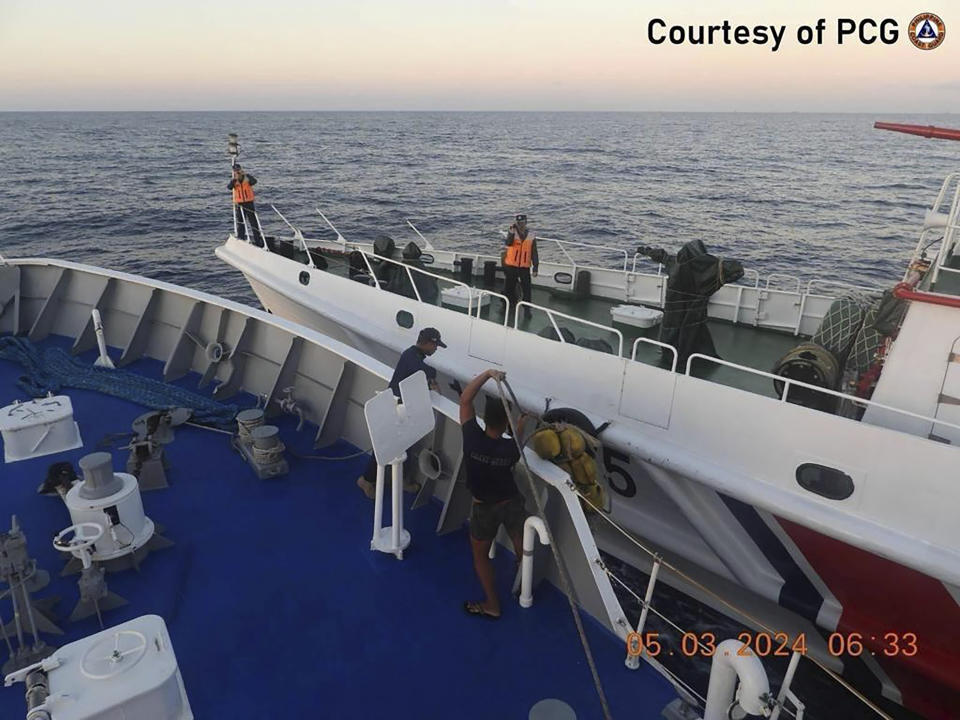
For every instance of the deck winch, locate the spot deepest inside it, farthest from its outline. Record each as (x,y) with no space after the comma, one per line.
(260,444)
(152,432)
(112,501)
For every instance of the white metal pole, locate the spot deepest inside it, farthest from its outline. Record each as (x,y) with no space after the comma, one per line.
(533,527)
(397,510)
(785,687)
(377,508)
(633,661)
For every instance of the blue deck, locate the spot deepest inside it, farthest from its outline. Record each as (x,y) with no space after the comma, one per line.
(277,607)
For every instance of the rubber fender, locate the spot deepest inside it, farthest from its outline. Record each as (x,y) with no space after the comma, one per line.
(546,443)
(573,443)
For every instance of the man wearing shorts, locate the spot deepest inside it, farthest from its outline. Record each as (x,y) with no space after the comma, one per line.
(489,458)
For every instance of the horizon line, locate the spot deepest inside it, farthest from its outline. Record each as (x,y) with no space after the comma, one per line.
(449,110)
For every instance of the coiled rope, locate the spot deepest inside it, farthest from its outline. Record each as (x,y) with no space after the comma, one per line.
(50,369)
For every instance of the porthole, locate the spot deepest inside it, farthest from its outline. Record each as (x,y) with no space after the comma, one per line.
(404,319)
(563,278)
(426,258)
(825,481)
(304,277)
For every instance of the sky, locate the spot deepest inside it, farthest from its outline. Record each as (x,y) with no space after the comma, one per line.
(461,55)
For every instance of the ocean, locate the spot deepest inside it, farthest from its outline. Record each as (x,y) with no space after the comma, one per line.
(810,195)
(813,196)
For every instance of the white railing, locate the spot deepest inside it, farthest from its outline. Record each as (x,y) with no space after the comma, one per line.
(297,236)
(668,346)
(576,243)
(550,315)
(782,276)
(471,291)
(788,383)
(815,282)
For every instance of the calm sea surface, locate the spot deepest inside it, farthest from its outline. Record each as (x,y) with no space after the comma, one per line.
(811,195)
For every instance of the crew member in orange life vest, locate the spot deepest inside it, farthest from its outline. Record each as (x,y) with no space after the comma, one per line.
(242,187)
(519,257)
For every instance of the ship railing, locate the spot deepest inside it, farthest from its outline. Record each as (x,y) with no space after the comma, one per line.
(821,282)
(563,244)
(297,236)
(471,292)
(780,277)
(944,216)
(657,343)
(553,314)
(789,383)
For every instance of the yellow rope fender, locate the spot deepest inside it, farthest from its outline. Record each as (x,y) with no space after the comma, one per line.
(572,449)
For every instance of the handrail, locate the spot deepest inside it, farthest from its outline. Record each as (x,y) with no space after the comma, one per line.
(841,284)
(340,238)
(427,244)
(579,243)
(633,355)
(788,383)
(904,291)
(483,291)
(410,270)
(792,278)
(756,276)
(551,313)
(297,235)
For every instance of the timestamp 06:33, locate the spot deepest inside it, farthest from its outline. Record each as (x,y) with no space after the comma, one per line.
(777,644)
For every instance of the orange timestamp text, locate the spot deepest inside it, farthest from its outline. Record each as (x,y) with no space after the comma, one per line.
(704,644)
(775,644)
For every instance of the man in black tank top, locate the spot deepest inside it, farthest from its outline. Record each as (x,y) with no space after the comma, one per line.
(489,458)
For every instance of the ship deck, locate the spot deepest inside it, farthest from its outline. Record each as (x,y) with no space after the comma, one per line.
(276,605)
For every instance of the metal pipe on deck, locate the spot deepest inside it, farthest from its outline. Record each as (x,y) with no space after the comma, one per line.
(533,527)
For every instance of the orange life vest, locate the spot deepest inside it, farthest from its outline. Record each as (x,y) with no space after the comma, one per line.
(242,191)
(520,252)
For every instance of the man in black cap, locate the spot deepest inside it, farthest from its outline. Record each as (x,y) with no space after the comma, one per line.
(411,361)
(520,255)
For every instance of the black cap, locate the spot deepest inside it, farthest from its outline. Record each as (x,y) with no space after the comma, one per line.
(431,335)
(521,218)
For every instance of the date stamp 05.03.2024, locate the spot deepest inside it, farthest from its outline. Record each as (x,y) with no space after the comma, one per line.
(776,644)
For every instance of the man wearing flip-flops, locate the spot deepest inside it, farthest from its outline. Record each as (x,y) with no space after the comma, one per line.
(489,459)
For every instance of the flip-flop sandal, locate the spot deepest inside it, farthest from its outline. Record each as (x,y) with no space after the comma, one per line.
(476,610)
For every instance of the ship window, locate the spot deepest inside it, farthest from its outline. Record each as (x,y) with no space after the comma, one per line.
(404,319)
(426,258)
(304,277)
(563,278)
(825,481)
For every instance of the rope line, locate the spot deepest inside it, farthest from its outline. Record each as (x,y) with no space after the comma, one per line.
(856,693)
(561,566)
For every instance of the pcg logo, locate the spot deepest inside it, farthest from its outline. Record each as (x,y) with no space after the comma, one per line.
(926,31)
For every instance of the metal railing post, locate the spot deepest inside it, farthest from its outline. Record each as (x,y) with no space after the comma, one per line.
(633,661)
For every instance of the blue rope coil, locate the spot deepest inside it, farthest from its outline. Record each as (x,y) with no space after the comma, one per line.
(50,369)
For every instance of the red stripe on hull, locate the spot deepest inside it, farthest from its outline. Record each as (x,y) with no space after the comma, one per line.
(879,596)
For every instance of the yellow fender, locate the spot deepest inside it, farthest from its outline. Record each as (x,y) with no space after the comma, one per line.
(567,446)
